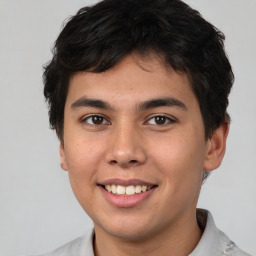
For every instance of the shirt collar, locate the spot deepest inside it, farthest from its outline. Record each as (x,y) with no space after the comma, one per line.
(210,242)
(87,245)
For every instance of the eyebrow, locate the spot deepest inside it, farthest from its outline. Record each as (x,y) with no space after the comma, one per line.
(162,102)
(93,103)
(152,103)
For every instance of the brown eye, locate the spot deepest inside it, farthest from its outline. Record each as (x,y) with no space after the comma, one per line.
(160,120)
(95,120)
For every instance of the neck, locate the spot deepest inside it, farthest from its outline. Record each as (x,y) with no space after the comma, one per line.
(178,239)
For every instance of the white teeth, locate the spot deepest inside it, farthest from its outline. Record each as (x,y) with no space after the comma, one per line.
(144,188)
(138,189)
(113,189)
(108,188)
(129,190)
(120,190)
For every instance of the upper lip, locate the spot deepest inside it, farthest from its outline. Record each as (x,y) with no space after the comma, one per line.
(130,182)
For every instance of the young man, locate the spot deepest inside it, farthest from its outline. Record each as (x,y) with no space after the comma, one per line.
(138,93)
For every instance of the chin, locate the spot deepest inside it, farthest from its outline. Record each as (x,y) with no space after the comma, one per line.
(130,230)
(132,234)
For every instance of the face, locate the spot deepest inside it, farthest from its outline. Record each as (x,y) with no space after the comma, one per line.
(134,147)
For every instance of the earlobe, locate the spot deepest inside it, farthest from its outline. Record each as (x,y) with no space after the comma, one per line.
(63,163)
(216,147)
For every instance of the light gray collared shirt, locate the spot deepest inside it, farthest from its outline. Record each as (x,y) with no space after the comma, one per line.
(212,243)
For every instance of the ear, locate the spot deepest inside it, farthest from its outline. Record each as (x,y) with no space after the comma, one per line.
(216,147)
(63,163)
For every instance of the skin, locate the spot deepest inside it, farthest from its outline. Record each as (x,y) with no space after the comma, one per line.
(128,143)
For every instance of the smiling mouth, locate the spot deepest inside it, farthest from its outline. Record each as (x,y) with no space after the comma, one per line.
(127,190)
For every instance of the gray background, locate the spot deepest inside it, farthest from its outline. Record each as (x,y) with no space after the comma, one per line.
(38,211)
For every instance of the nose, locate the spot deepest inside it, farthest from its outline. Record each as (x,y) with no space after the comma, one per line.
(125,147)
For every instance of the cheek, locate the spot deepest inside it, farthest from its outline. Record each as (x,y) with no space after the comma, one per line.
(82,160)
(180,158)
(82,154)
(81,164)
(181,168)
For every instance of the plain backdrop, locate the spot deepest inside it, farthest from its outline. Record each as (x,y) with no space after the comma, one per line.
(38,211)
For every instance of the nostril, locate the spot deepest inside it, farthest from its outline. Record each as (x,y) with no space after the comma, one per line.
(131,162)
(113,162)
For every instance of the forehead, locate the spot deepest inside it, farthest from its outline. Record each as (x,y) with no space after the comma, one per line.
(131,81)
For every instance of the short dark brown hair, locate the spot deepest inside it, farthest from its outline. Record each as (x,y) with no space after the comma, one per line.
(98,37)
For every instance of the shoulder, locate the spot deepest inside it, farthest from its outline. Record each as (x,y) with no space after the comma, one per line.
(213,240)
(68,249)
(78,247)
(229,247)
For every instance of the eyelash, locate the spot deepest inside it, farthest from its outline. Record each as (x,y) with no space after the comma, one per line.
(106,122)
(166,118)
(85,120)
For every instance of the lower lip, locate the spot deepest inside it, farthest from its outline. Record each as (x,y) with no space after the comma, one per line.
(126,201)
